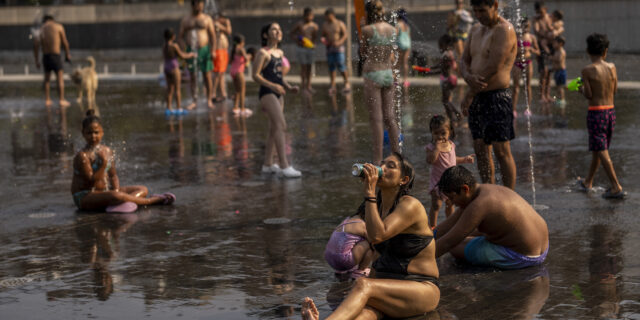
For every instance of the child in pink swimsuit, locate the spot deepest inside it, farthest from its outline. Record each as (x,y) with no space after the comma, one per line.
(239,59)
(441,155)
(348,252)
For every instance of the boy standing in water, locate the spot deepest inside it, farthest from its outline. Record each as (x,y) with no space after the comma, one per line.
(558,61)
(304,33)
(599,85)
(52,37)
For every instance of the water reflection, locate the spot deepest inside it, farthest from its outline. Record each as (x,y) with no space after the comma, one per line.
(603,294)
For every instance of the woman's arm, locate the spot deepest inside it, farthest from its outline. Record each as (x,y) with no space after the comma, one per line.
(258,65)
(535,48)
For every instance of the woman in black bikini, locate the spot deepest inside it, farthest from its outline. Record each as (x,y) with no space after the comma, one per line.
(267,72)
(404,277)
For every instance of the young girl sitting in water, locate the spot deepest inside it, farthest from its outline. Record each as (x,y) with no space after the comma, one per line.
(95,184)
(348,252)
(170,52)
(441,155)
(239,59)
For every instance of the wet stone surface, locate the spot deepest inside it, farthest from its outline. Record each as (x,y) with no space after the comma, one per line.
(238,244)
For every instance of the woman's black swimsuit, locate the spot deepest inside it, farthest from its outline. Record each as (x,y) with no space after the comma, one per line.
(272,72)
(395,255)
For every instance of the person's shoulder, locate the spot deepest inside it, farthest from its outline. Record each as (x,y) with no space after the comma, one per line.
(409,201)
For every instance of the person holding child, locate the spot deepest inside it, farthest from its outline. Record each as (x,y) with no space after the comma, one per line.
(95,184)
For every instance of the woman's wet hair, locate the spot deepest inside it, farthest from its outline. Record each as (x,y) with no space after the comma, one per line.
(438,121)
(375,11)
(264,34)
(454,178)
(597,44)
(168,34)
(90,118)
(406,170)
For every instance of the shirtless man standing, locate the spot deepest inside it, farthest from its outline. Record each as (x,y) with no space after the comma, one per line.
(542,28)
(334,34)
(304,33)
(486,66)
(493,226)
(223,32)
(52,35)
(205,45)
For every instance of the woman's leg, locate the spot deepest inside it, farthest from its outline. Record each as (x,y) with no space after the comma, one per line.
(393,298)
(136,191)
(278,126)
(243,89)
(373,99)
(390,118)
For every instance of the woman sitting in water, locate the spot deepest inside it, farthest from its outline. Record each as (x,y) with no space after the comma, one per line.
(378,39)
(404,279)
(95,184)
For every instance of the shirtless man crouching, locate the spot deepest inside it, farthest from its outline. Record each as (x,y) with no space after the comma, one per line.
(486,66)
(205,48)
(494,226)
(52,36)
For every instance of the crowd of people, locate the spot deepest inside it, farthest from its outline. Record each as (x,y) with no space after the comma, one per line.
(390,245)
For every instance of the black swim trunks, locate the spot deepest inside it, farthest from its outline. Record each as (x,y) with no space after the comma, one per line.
(491,116)
(52,62)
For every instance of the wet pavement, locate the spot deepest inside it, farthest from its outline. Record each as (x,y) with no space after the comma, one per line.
(238,244)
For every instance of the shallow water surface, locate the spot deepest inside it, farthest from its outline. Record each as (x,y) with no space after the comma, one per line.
(238,244)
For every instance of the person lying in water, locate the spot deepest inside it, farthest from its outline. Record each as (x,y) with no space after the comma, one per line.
(404,277)
(493,227)
(95,183)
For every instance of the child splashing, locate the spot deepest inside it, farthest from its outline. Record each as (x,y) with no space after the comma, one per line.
(348,252)
(239,59)
(441,155)
(95,185)
(171,51)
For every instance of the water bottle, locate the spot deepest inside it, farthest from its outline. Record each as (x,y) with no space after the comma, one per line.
(357,170)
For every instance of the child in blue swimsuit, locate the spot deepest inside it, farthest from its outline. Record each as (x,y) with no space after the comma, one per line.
(95,185)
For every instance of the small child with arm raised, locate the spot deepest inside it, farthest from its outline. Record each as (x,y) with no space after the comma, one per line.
(441,155)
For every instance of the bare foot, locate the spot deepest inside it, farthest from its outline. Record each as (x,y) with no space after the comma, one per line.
(309,310)
(191,106)
(210,104)
(64,103)
(347,88)
(48,103)
(332,91)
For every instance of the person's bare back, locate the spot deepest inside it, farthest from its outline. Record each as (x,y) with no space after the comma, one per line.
(491,53)
(601,80)
(52,37)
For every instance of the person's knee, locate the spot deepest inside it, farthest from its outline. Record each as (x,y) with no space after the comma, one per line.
(362,286)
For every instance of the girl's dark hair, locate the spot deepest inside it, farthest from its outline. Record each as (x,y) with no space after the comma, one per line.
(89,119)
(375,11)
(168,34)
(438,121)
(237,39)
(406,169)
(446,41)
(252,51)
(264,34)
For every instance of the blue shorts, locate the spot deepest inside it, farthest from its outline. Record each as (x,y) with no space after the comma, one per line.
(479,251)
(335,60)
(560,76)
